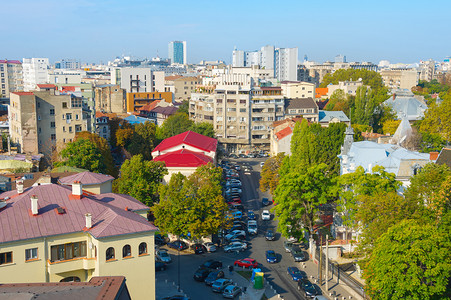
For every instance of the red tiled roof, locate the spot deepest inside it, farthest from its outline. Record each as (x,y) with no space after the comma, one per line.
(5,61)
(86,178)
(150,106)
(46,86)
(23,93)
(321,92)
(190,138)
(184,158)
(68,88)
(100,114)
(174,77)
(284,133)
(107,219)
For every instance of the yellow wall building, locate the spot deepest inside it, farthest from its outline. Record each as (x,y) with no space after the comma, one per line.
(64,233)
(137,100)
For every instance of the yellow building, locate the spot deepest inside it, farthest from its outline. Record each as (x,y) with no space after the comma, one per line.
(54,233)
(137,100)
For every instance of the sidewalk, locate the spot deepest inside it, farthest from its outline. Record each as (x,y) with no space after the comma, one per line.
(166,288)
(251,293)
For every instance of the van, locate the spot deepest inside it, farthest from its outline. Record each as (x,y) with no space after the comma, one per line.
(252,227)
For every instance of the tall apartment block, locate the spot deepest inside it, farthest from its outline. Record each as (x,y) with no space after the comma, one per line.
(282,60)
(138,80)
(177,52)
(43,121)
(11,78)
(35,71)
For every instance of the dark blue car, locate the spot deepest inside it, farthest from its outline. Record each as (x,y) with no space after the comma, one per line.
(271,256)
(296,274)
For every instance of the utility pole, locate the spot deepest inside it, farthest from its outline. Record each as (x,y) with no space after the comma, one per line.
(321,261)
(327,262)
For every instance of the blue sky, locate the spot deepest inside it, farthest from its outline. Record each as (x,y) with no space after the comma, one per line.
(95,31)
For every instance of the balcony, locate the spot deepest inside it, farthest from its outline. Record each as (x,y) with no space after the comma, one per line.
(81,263)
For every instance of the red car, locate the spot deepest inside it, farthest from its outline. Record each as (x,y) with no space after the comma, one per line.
(246,262)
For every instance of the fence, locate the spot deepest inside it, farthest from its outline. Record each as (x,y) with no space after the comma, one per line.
(345,278)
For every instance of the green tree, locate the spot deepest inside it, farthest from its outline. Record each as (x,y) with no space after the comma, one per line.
(203,128)
(409,261)
(143,140)
(192,206)
(390,126)
(183,108)
(431,142)
(436,118)
(124,136)
(140,179)
(175,124)
(270,173)
(297,199)
(84,154)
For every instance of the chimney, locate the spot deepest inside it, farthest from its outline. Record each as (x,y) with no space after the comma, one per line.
(394,96)
(34,205)
(19,186)
(88,220)
(77,190)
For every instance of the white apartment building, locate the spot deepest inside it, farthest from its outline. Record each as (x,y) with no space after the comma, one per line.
(138,80)
(400,78)
(35,71)
(298,89)
(348,87)
(282,60)
(11,79)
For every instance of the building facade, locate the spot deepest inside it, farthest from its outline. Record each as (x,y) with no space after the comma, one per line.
(138,80)
(110,98)
(135,101)
(35,71)
(11,77)
(177,52)
(400,78)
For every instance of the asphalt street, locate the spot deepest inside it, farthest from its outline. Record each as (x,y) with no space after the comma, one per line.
(275,273)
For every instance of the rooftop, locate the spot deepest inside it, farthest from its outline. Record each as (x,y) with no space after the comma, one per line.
(5,61)
(168,110)
(184,159)
(284,133)
(190,138)
(86,178)
(328,116)
(297,103)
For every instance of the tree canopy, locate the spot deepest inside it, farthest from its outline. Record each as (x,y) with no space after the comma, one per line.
(436,118)
(140,179)
(192,206)
(179,123)
(83,153)
(270,173)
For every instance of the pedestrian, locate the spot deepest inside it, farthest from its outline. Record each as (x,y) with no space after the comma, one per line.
(230,269)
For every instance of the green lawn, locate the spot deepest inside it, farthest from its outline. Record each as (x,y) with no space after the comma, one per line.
(245,274)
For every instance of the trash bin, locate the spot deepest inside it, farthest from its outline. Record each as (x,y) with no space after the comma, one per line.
(258,282)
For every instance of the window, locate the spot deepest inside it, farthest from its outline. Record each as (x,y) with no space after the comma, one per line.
(52,124)
(39,103)
(231,109)
(70,128)
(64,104)
(104,129)
(76,117)
(31,254)
(69,116)
(78,128)
(243,101)
(126,251)
(142,248)
(6,258)
(70,279)
(242,110)
(110,253)
(68,251)
(53,137)
(64,128)
(52,111)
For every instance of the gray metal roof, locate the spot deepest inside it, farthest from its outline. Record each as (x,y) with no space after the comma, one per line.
(327,116)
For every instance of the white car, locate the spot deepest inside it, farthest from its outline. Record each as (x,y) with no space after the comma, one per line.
(262,164)
(162,255)
(210,247)
(252,227)
(266,216)
(235,233)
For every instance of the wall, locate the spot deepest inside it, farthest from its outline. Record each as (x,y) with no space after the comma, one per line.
(103,188)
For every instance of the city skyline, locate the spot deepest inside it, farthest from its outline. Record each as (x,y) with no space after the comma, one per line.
(99,31)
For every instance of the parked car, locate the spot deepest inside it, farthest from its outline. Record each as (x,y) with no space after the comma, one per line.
(210,247)
(160,266)
(237,227)
(252,227)
(219,285)
(288,246)
(265,202)
(251,215)
(235,233)
(308,289)
(296,274)
(163,255)
(246,263)
(213,276)
(298,255)
(231,291)
(237,214)
(211,264)
(266,216)
(262,164)
(271,256)
(237,167)
(198,248)
(233,155)
(292,239)
(270,236)
(178,245)
(247,171)
(201,274)
(242,155)
(237,206)
(160,240)
(233,190)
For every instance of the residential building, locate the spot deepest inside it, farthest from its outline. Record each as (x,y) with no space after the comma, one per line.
(297,89)
(159,114)
(64,76)
(177,52)
(185,152)
(138,80)
(107,287)
(427,70)
(65,233)
(400,78)
(184,86)
(286,64)
(281,134)
(35,71)
(348,87)
(135,101)
(11,77)
(407,105)
(307,75)
(42,121)
(340,58)
(110,98)
(169,83)
(70,64)
(102,125)
(302,107)
(326,117)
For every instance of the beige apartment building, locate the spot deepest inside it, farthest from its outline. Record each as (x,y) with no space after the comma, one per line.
(63,233)
(298,89)
(11,77)
(42,121)
(400,78)
(110,98)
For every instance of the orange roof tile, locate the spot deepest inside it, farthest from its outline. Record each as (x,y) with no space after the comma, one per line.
(46,86)
(284,133)
(321,92)
(150,106)
(174,77)
(23,93)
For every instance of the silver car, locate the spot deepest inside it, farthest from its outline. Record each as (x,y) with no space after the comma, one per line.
(163,255)
(235,246)
(231,291)
(210,247)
